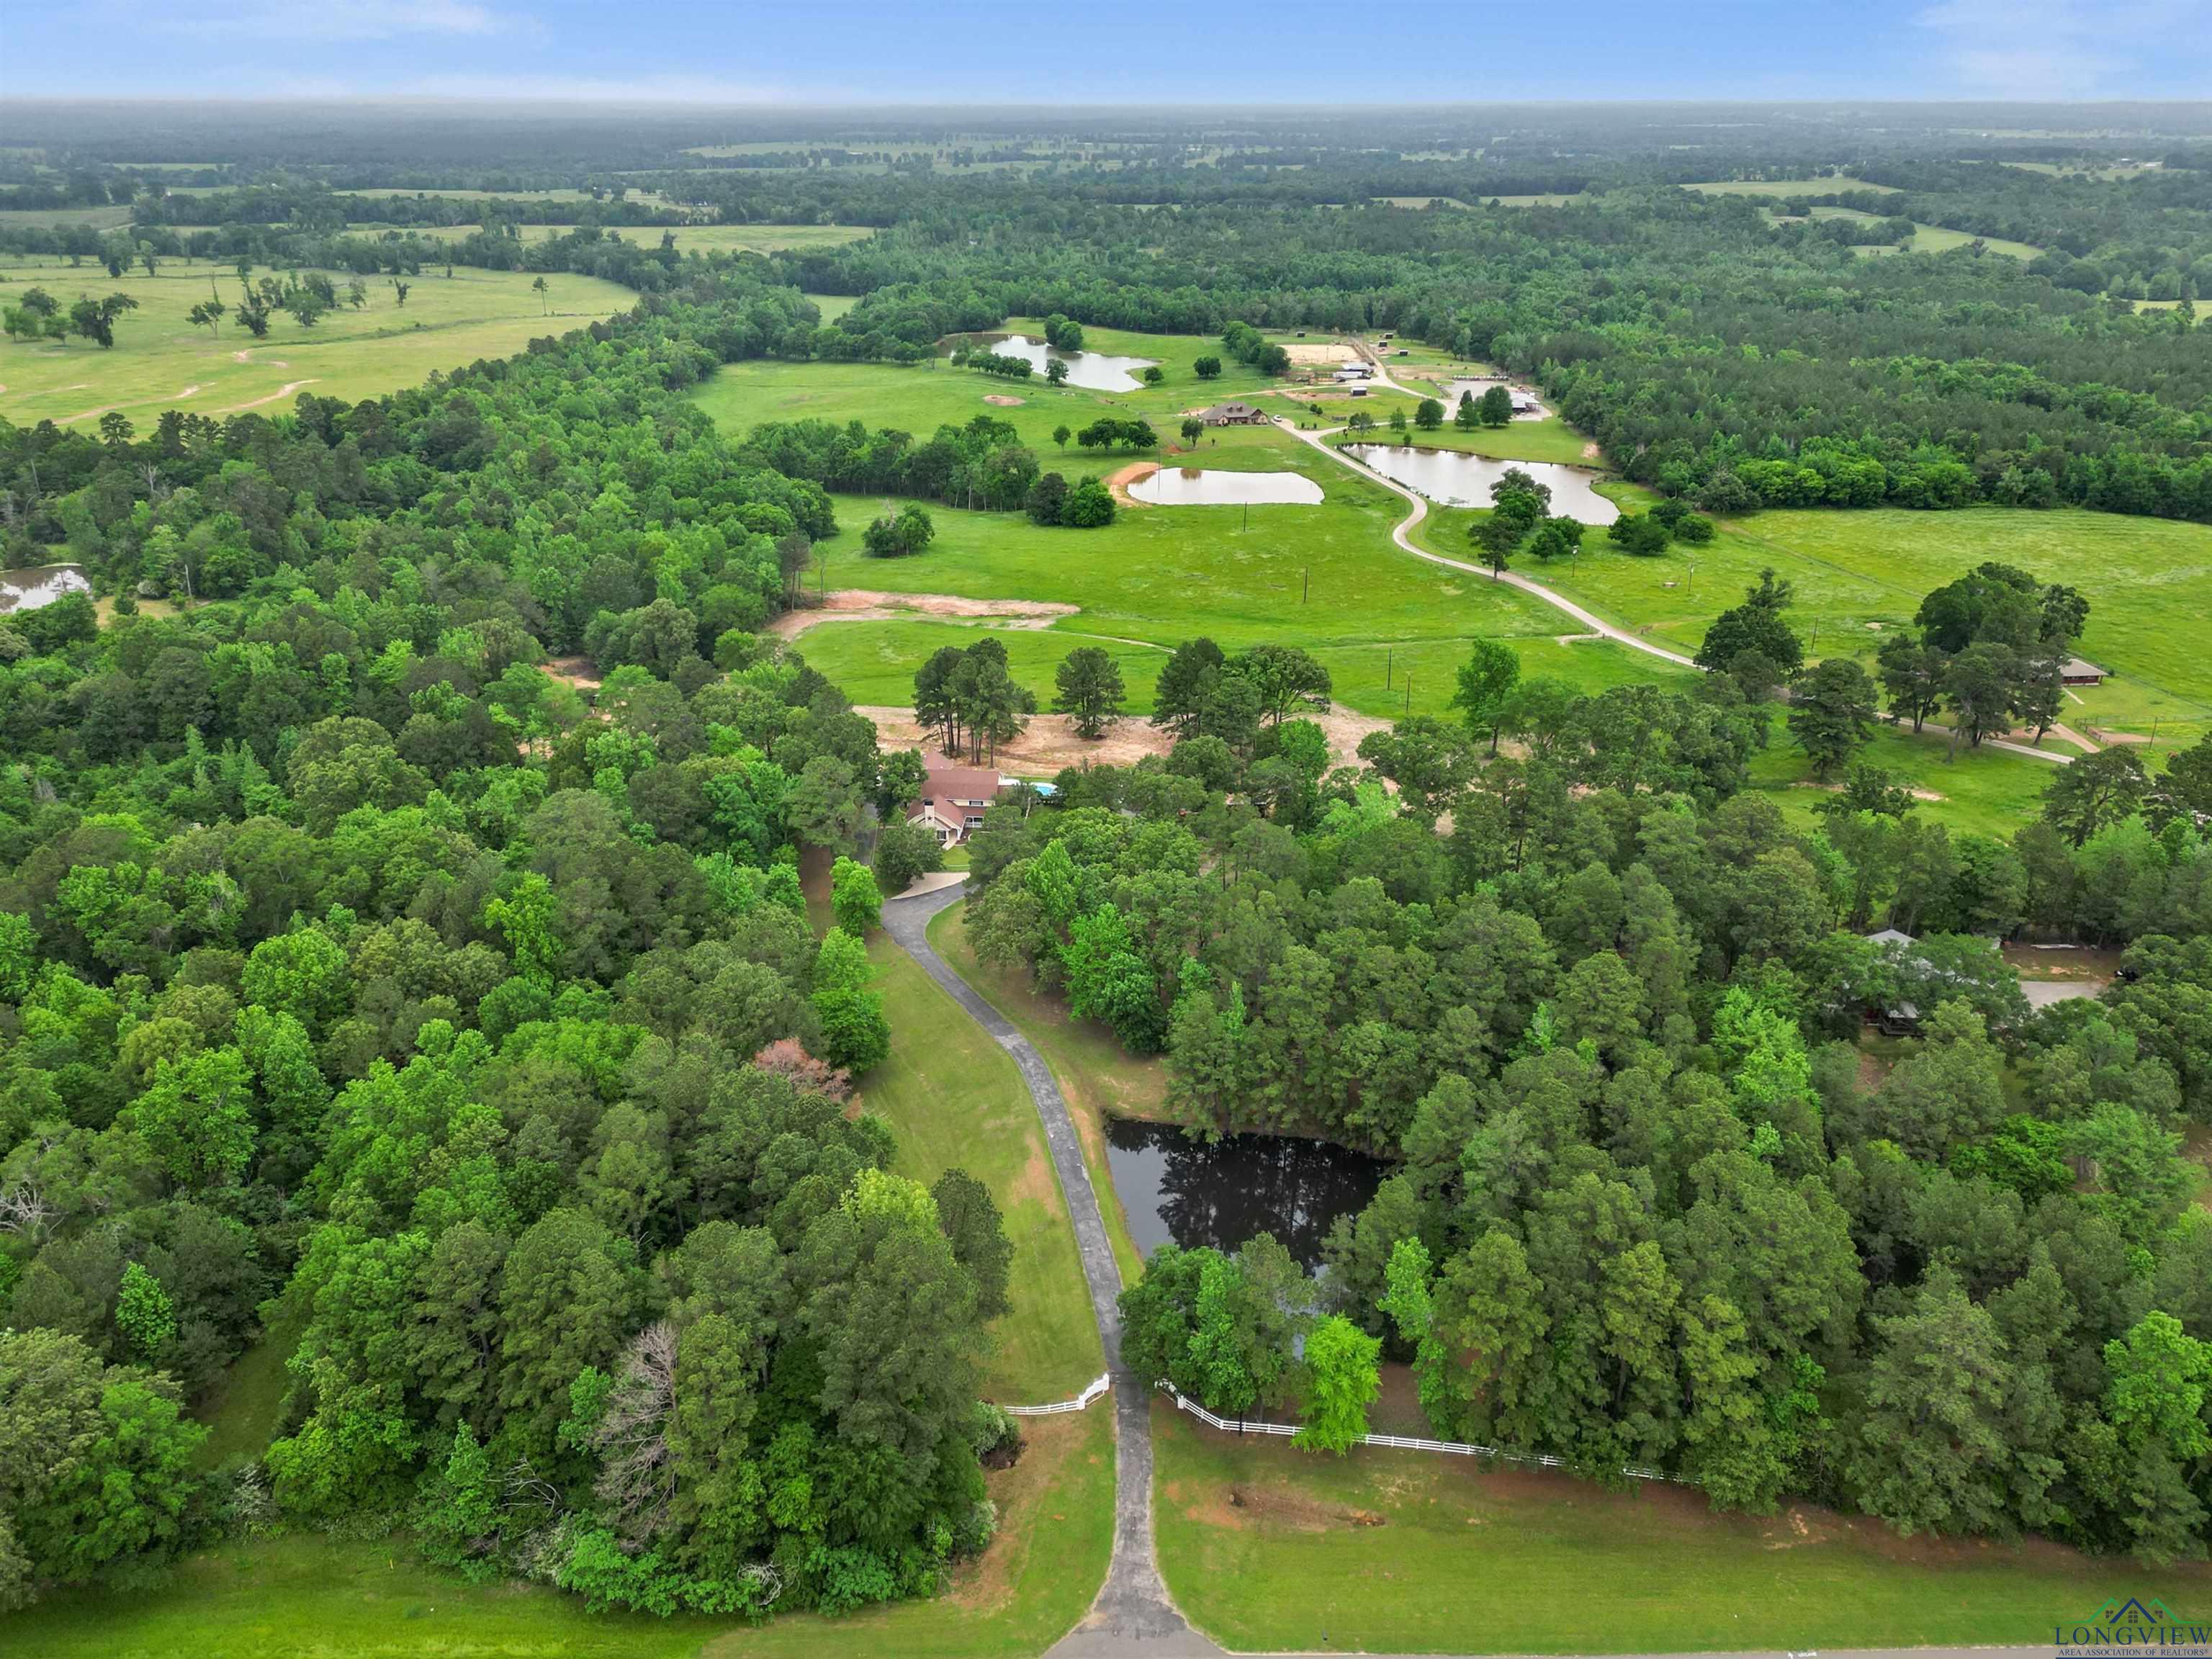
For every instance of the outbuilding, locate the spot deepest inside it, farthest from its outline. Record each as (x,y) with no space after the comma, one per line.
(2080,670)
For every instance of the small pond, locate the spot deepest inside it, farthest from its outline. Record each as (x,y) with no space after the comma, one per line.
(1095,370)
(1458,479)
(1176,1189)
(38,585)
(1191,486)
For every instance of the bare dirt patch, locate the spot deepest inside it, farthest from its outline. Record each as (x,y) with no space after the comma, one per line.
(581,672)
(278,395)
(1117,484)
(1000,400)
(1327,351)
(2048,961)
(865,605)
(1049,744)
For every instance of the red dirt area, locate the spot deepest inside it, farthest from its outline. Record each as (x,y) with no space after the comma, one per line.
(864,605)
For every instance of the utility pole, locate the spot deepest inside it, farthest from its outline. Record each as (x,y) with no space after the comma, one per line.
(1388,652)
(1305,584)
(1409,693)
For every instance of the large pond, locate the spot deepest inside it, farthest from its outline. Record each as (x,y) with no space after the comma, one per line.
(1458,479)
(1191,486)
(1097,371)
(1176,1189)
(40,585)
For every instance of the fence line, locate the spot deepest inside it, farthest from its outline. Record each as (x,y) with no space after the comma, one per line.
(1098,1386)
(1406,1441)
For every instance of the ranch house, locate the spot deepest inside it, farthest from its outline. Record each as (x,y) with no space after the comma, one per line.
(1233,414)
(954,800)
(2080,670)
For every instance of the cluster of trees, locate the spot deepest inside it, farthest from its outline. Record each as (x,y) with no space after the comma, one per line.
(1061,333)
(1087,505)
(1520,517)
(39,316)
(1493,409)
(1651,1205)
(994,363)
(1991,648)
(1648,535)
(1249,347)
(983,465)
(971,700)
(1111,431)
(1223,703)
(357,979)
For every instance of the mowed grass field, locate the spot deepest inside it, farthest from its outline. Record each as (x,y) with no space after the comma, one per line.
(1860,574)
(1266,1547)
(160,360)
(327,1598)
(955,1100)
(1326,577)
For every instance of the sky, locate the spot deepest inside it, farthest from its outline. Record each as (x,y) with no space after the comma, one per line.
(1200,52)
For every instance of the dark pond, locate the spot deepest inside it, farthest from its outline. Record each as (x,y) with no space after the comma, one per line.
(1458,479)
(40,585)
(1095,370)
(1191,486)
(1178,1190)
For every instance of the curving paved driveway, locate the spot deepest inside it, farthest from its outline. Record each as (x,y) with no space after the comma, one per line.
(1132,1617)
(1402,533)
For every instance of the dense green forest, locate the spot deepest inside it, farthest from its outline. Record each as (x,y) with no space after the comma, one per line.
(378,988)
(1653,1205)
(1736,350)
(357,979)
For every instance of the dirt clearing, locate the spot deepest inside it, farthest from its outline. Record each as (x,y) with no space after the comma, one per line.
(1117,484)
(1327,351)
(1002,401)
(866,604)
(1051,742)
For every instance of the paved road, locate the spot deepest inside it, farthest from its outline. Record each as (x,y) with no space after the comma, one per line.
(1132,1617)
(1417,505)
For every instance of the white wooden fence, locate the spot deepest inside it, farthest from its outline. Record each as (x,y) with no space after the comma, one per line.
(1401,1442)
(1098,1386)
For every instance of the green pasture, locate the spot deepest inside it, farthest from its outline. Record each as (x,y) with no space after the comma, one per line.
(1859,575)
(1985,790)
(873,662)
(955,1099)
(331,1598)
(919,398)
(1834,185)
(1326,577)
(1934,239)
(160,359)
(106,216)
(1264,1547)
